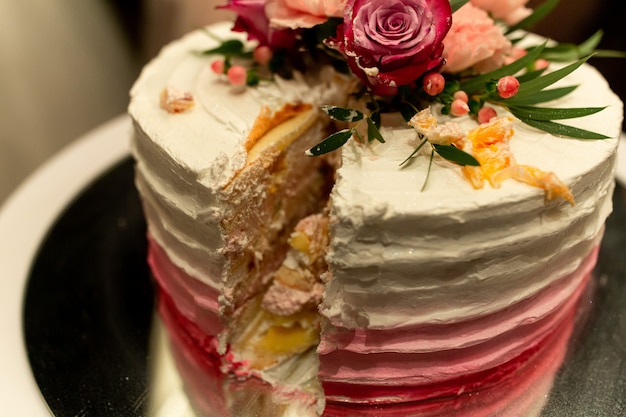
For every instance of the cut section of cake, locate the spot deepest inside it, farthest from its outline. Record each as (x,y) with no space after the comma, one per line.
(357,282)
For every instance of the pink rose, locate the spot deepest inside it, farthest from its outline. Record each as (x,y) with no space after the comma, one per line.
(251,18)
(296,14)
(389,44)
(509,11)
(474,41)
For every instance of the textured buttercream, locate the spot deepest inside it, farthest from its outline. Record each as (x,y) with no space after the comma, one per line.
(479,276)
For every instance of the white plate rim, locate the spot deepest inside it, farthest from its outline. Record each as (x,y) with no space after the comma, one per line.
(25,218)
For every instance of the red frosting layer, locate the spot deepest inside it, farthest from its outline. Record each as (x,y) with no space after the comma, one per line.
(195,300)
(481,378)
(397,376)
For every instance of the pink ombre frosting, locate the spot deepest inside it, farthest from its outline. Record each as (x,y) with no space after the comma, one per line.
(428,365)
(196,301)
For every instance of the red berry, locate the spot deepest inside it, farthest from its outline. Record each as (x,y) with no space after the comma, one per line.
(459,108)
(486,114)
(461,95)
(508,86)
(541,64)
(262,54)
(237,75)
(217,66)
(433,83)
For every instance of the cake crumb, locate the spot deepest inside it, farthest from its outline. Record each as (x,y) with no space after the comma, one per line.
(174,100)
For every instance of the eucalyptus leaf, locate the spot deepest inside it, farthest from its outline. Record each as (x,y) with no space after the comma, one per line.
(550,113)
(454,154)
(373,132)
(558,129)
(332,142)
(343,114)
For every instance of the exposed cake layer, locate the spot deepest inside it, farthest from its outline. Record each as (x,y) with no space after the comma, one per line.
(224,183)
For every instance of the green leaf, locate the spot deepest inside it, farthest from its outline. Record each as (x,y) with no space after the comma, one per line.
(328,29)
(430,165)
(373,132)
(231,47)
(558,129)
(332,142)
(407,110)
(538,13)
(359,137)
(567,52)
(343,114)
(457,4)
(609,53)
(454,154)
(538,84)
(539,97)
(252,78)
(548,113)
(422,143)
(530,75)
(376,119)
(475,84)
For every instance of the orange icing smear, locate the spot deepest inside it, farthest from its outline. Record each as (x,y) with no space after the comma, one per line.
(489,144)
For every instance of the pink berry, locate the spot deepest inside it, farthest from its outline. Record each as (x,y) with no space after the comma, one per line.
(262,54)
(541,64)
(459,108)
(486,114)
(514,55)
(433,83)
(508,86)
(461,95)
(237,75)
(217,66)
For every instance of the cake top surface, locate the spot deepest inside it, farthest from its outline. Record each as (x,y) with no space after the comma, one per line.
(435,63)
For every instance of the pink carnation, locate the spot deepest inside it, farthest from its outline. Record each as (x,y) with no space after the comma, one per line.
(474,41)
(509,11)
(296,14)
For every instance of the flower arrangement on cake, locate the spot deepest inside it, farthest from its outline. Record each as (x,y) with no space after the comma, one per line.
(463,56)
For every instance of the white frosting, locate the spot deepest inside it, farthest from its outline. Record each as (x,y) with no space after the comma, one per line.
(184,160)
(472,252)
(401,256)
